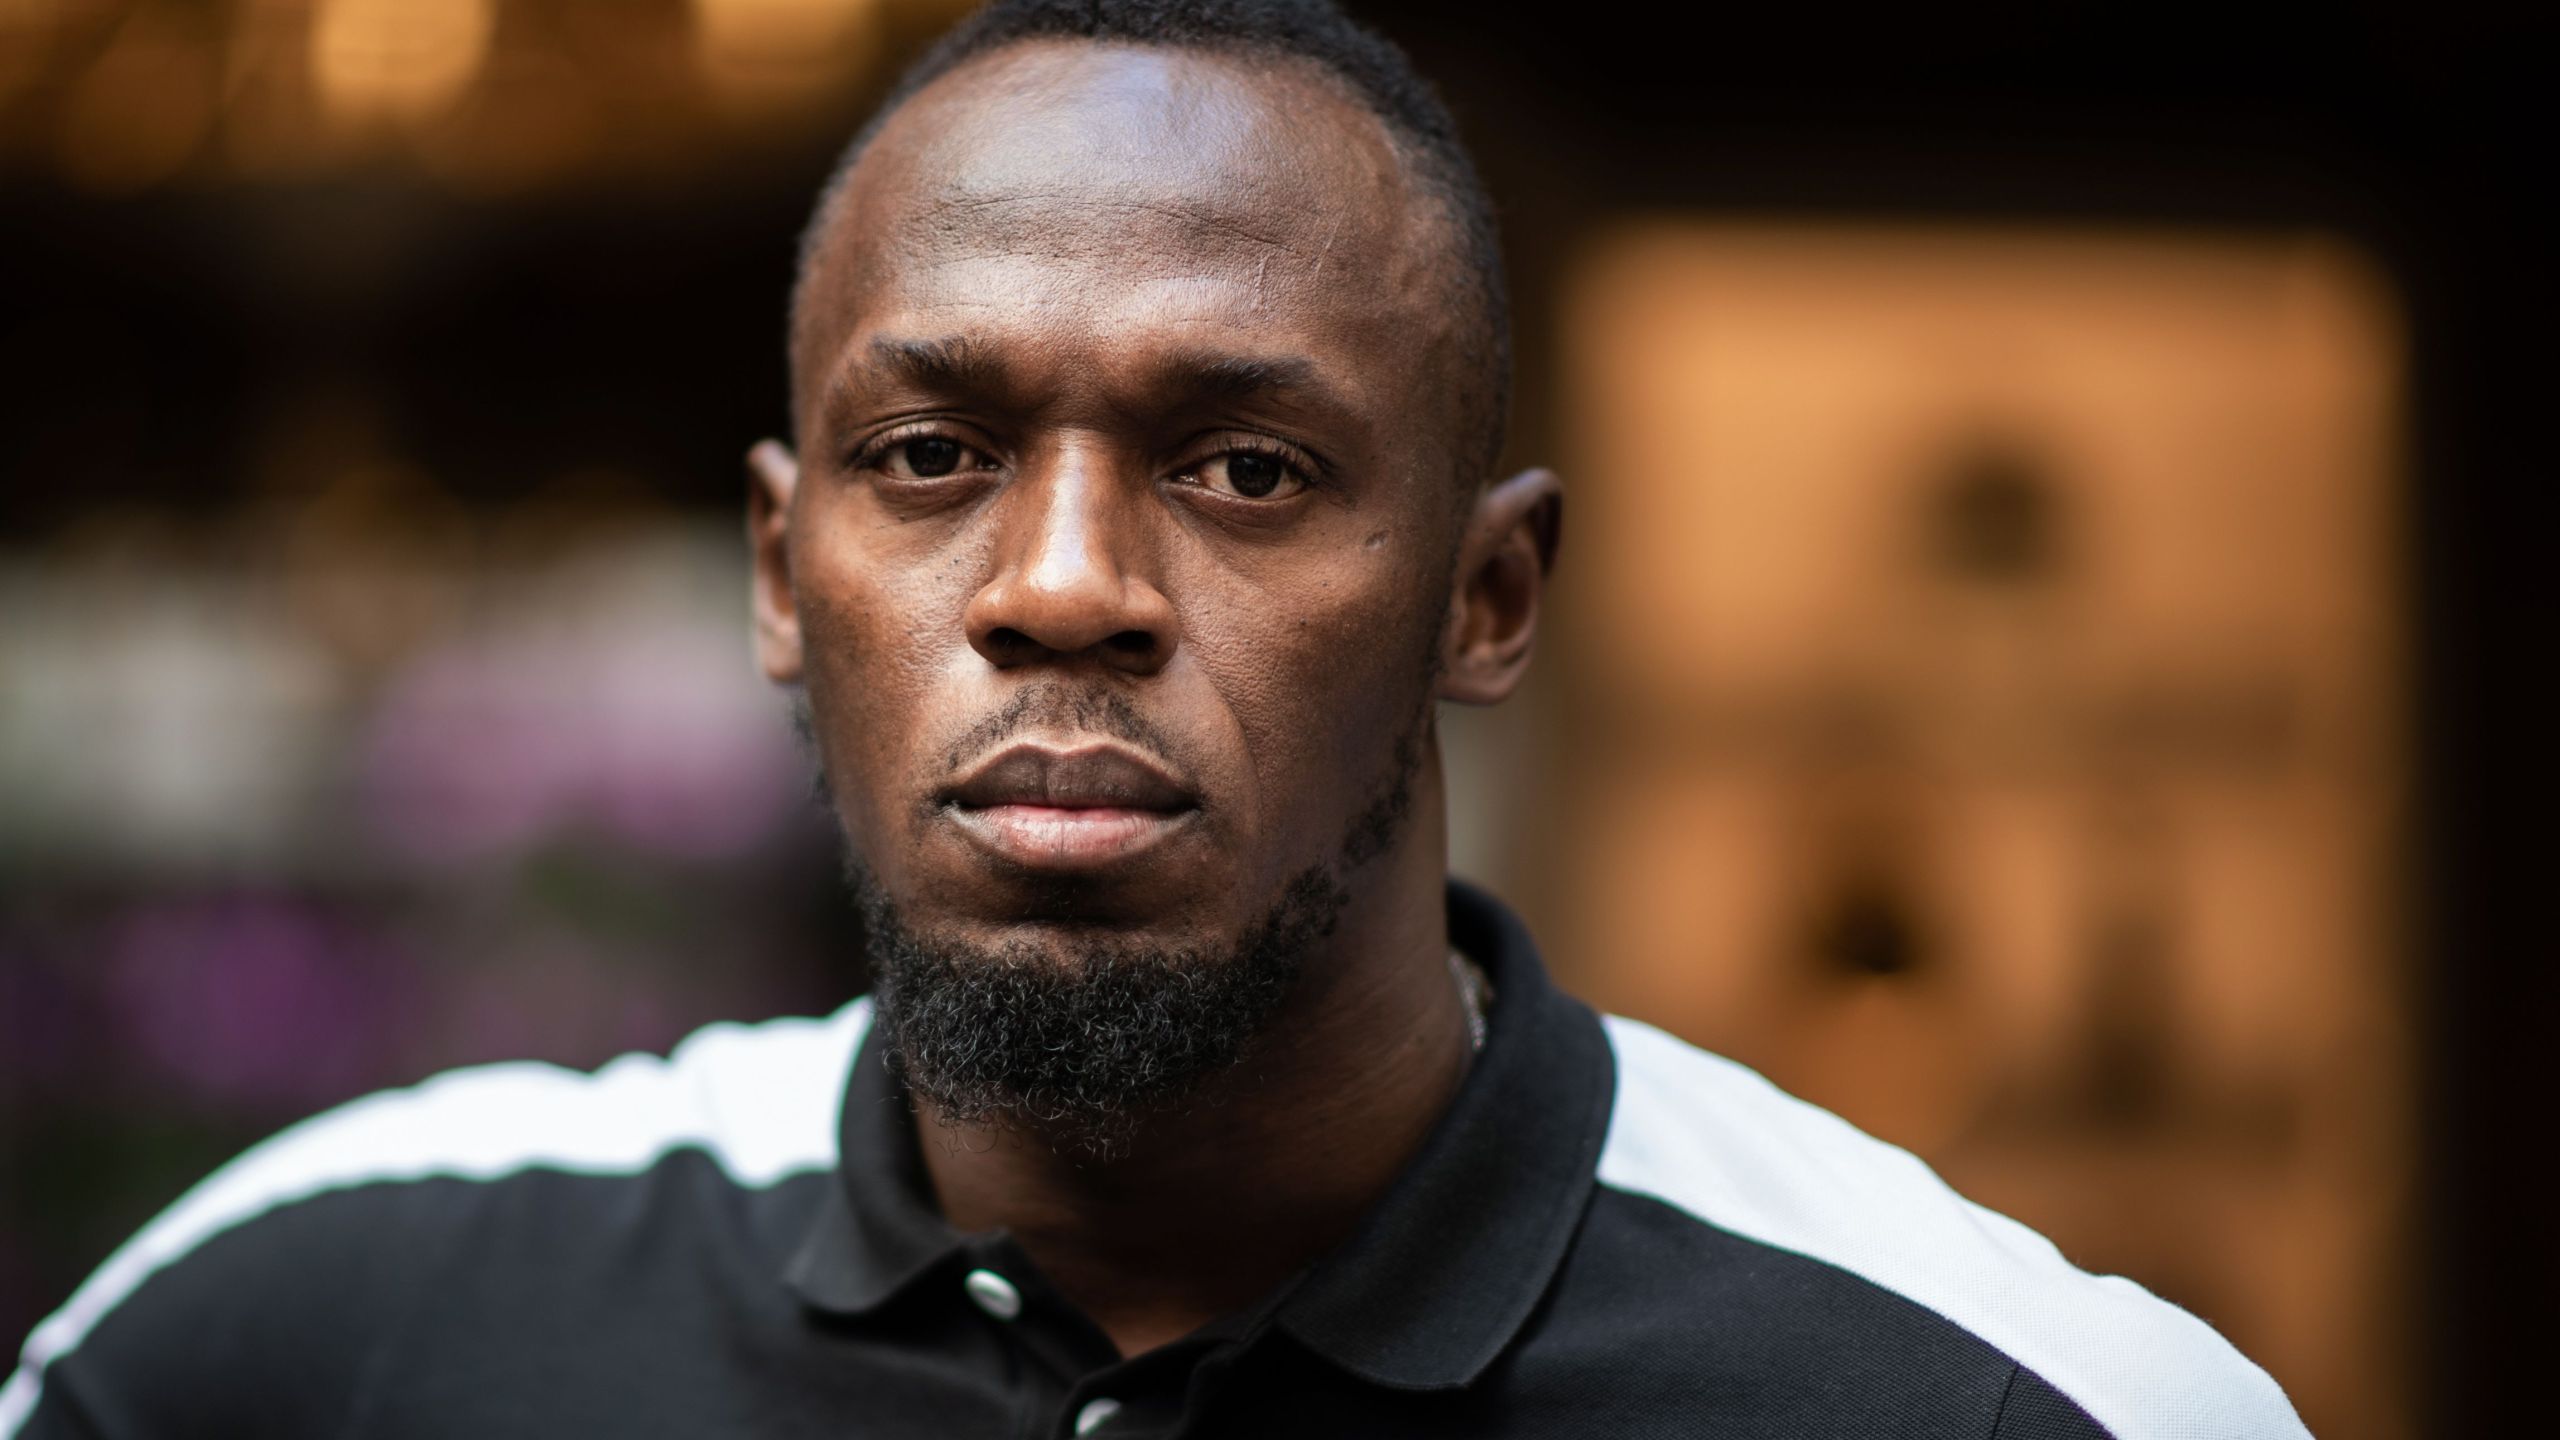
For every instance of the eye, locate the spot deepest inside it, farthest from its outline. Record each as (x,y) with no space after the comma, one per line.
(924,457)
(1252,474)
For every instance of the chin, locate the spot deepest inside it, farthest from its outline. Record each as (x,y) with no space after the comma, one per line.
(1072,1027)
(1188,891)
(1066,921)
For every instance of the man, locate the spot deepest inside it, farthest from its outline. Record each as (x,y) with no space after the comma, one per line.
(1148,369)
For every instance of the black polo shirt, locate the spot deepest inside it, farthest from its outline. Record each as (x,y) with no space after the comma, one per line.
(1610,1233)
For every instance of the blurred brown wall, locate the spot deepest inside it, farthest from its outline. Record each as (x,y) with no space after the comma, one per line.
(1986,715)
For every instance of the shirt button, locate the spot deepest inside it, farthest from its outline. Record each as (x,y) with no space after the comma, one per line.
(994,1294)
(1090,1418)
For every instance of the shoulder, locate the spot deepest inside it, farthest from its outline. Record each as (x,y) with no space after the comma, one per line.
(346,1195)
(1715,1141)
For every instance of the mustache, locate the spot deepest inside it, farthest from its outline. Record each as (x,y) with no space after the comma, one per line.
(1054,705)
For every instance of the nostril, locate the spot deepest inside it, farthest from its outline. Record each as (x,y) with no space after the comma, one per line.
(1139,649)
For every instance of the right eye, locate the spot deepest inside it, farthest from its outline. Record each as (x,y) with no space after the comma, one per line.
(925,457)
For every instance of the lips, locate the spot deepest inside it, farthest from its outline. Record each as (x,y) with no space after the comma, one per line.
(1064,809)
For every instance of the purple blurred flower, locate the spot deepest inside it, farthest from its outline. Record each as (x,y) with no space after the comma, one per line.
(255,1002)
(660,743)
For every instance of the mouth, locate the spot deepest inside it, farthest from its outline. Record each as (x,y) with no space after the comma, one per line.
(1077,808)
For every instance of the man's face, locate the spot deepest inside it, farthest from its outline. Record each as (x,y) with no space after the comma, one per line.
(1118,550)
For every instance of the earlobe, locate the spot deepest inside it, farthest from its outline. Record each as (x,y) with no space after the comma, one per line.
(1503,564)
(773,476)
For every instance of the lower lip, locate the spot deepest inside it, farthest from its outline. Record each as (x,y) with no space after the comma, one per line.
(1051,837)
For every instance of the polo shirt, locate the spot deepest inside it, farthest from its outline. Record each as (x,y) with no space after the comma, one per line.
(1608,1233)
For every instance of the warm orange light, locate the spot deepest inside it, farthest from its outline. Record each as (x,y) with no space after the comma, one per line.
(396,59)
(143,108)
(26,33)
(762,53)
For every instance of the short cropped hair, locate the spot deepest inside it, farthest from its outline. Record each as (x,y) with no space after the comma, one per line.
(1378,75)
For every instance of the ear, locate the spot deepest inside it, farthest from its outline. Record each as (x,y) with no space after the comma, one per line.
(773,475)
(1503,562)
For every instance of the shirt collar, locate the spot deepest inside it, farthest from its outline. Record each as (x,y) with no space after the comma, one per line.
(877,1230)
(1432,1285)
(1443,1273)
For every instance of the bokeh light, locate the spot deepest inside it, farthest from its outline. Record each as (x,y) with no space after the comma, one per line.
(396,59)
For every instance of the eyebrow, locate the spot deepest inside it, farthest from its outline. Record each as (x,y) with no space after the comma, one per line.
(952,363)
(1206,375)
(963,365)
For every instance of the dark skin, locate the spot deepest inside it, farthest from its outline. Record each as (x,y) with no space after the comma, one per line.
(1132,371)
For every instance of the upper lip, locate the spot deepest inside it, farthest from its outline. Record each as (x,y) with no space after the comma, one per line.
(1082,776)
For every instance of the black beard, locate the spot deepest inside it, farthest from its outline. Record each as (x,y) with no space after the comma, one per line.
(1077,1046)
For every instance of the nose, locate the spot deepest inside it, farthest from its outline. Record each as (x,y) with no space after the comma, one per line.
(1069,581)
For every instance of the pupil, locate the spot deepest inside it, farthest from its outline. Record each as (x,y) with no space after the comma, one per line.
(1254,475)
(933,456)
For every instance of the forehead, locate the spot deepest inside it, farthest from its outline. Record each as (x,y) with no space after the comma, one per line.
(1122,189)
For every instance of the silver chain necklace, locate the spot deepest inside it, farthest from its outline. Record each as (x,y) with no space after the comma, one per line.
(1475,992)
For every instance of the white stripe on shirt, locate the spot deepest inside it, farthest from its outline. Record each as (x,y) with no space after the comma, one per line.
(1714,1139)
(761,1100)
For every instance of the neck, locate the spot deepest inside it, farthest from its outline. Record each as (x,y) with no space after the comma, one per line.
(1214,1205)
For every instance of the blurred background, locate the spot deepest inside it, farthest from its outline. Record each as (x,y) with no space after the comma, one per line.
(2045,539)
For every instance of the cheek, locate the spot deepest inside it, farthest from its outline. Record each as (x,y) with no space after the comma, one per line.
(869,628)
(1321,678)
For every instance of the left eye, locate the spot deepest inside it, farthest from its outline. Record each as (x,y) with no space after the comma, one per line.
(1251,474)
(926,457)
